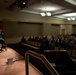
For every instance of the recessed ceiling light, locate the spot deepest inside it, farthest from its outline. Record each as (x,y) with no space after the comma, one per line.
(24,3)
(69,19)
(73,18)
(48,13)
(43,14)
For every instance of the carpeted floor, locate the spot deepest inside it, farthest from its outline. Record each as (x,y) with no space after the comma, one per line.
(18,67)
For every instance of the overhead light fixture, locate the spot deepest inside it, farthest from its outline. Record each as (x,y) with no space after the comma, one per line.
(48,13)
(43,14)
(73,18)
(24,3)
(69,19)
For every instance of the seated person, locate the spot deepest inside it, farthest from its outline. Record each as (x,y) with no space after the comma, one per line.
(2,42)
(23,40)
(44,45)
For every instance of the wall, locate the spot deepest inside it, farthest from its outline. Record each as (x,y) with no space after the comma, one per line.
(55,29)
(1,25)
(21,29)
(51,29)
(46,29)
(74,29)
(67,28)
(14,29)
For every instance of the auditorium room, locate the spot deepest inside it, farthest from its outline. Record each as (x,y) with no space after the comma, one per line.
(37,37)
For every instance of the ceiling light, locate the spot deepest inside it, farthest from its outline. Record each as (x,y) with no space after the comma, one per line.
(73,18)
(48,14)
(43,14)
(69,19)
(24,3)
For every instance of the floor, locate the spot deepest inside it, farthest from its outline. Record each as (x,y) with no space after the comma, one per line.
(18,67)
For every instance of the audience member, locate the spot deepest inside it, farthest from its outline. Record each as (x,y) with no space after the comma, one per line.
(23,40)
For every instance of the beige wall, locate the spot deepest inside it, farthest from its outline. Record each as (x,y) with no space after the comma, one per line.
(13,29)
(74,29)
(67,28)
(21,29)
(55,29)
(46,29)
